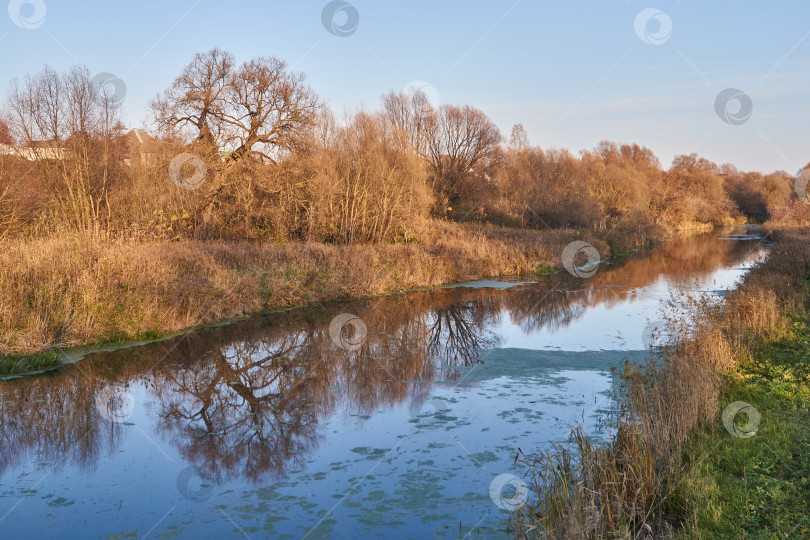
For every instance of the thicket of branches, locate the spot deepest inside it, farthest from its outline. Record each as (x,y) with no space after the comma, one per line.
(280,166)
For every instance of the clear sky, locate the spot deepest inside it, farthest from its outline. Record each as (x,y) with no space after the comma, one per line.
(573,73)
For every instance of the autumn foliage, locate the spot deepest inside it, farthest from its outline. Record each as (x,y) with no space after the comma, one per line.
(279,166)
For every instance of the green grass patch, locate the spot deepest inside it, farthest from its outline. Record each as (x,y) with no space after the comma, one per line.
(23,364)
(757,487)
(544,270)
(116,337)
(149,335)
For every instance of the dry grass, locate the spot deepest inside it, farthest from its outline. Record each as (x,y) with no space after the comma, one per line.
(621,489)
(69,290)
(794,213)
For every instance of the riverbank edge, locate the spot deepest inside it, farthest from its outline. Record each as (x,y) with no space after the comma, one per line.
(656,478)
(754,479)
(95,296)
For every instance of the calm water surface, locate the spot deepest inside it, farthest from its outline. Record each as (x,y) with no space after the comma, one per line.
(270,428)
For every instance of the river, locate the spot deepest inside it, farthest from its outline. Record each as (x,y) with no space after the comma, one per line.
(398,423)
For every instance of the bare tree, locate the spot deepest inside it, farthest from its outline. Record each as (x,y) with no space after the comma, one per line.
(66,122)
(23,110)
(412,118)
(461,138)
(196,99)
(257,109)
(49,91)
(81,103)
(519,139)
(52,106)
(269,109)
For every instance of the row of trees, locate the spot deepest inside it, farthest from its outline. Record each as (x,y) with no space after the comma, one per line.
(70,125)
(280,165)
(621,185)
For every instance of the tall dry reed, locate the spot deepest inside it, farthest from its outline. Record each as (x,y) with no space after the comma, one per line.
(619,489)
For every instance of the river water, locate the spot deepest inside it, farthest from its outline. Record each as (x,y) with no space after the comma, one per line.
(395,424)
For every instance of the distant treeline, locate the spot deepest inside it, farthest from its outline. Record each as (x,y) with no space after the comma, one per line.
(273,162)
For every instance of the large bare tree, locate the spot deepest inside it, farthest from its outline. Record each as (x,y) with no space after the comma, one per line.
(196,99)
(256,109)
(270,109)
(461,139)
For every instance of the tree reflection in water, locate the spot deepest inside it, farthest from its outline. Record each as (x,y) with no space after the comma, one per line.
(245,400)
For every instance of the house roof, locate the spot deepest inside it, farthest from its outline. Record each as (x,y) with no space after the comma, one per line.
(138,141)
(139,136)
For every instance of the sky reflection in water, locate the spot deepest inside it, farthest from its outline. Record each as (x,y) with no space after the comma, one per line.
(266,428)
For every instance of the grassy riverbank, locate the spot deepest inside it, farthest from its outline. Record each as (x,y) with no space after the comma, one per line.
(70,290)
(14,364)
(108,234)
(756,487)
(672,466)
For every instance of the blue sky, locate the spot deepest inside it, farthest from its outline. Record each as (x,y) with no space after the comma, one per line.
(573,73)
